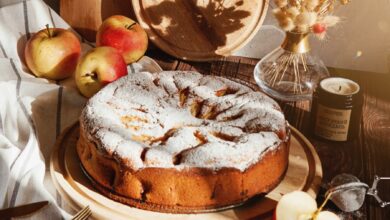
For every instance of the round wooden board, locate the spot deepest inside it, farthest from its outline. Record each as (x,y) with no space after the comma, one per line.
(200,29)
(304,173)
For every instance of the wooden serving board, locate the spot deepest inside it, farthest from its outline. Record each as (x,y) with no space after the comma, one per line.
(86,16)
(304,173)
(200,29)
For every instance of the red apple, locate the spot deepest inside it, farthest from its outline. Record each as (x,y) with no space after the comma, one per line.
(125,35)
(52,53)
(97,68)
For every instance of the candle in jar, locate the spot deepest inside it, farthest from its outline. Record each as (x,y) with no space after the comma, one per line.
(340,86)
(335,104)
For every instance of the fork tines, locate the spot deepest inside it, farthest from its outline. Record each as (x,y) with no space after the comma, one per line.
(83,214)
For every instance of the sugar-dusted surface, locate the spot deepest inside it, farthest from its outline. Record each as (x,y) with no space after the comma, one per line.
(183,119)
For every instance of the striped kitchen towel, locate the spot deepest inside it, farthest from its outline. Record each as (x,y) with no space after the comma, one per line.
(33,111)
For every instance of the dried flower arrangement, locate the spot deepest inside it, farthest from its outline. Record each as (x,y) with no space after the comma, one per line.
(291,72)
(305,16)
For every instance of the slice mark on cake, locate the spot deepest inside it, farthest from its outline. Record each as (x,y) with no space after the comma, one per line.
(177,159)
(224,136)
(226,91)
(183,96)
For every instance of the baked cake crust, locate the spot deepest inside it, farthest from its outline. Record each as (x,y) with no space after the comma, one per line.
(187,179)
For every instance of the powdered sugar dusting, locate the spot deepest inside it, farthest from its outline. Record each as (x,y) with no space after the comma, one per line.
(183,119)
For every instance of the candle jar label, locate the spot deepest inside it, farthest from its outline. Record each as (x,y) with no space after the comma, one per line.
(332,124)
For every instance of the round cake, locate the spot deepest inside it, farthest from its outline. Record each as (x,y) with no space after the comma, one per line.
(182,142)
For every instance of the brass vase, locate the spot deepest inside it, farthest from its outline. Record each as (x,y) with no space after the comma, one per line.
(290,72)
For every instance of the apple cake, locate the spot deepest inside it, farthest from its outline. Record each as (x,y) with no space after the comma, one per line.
(180,141)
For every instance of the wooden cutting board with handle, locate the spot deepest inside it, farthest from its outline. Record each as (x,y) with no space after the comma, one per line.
(85,16)
(200,29)
(187,29)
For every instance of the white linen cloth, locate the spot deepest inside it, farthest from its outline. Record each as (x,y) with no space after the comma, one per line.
(33,112)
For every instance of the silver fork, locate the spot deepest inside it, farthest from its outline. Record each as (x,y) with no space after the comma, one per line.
(83,214)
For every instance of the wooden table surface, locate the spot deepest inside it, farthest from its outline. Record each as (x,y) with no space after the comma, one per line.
(364,157)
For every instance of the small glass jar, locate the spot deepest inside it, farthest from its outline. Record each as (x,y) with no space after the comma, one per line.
(336,109)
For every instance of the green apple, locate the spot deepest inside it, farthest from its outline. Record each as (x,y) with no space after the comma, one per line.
(299,205)
(326,215)
(295,205)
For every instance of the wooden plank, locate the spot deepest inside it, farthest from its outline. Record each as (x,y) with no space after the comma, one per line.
(376,140)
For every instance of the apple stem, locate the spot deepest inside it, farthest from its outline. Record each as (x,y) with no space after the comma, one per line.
(48,30)
(328,195)
(130,25)
(93,75)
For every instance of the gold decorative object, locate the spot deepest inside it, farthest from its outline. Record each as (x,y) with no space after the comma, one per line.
(296,42)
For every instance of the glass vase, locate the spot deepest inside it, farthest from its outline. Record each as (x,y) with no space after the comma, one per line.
(290,72)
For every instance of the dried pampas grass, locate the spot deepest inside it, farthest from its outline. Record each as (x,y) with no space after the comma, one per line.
(302,15)
(287,24)
(306,18)
(281,3)
(330,20)
(311,4)
(293,12)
